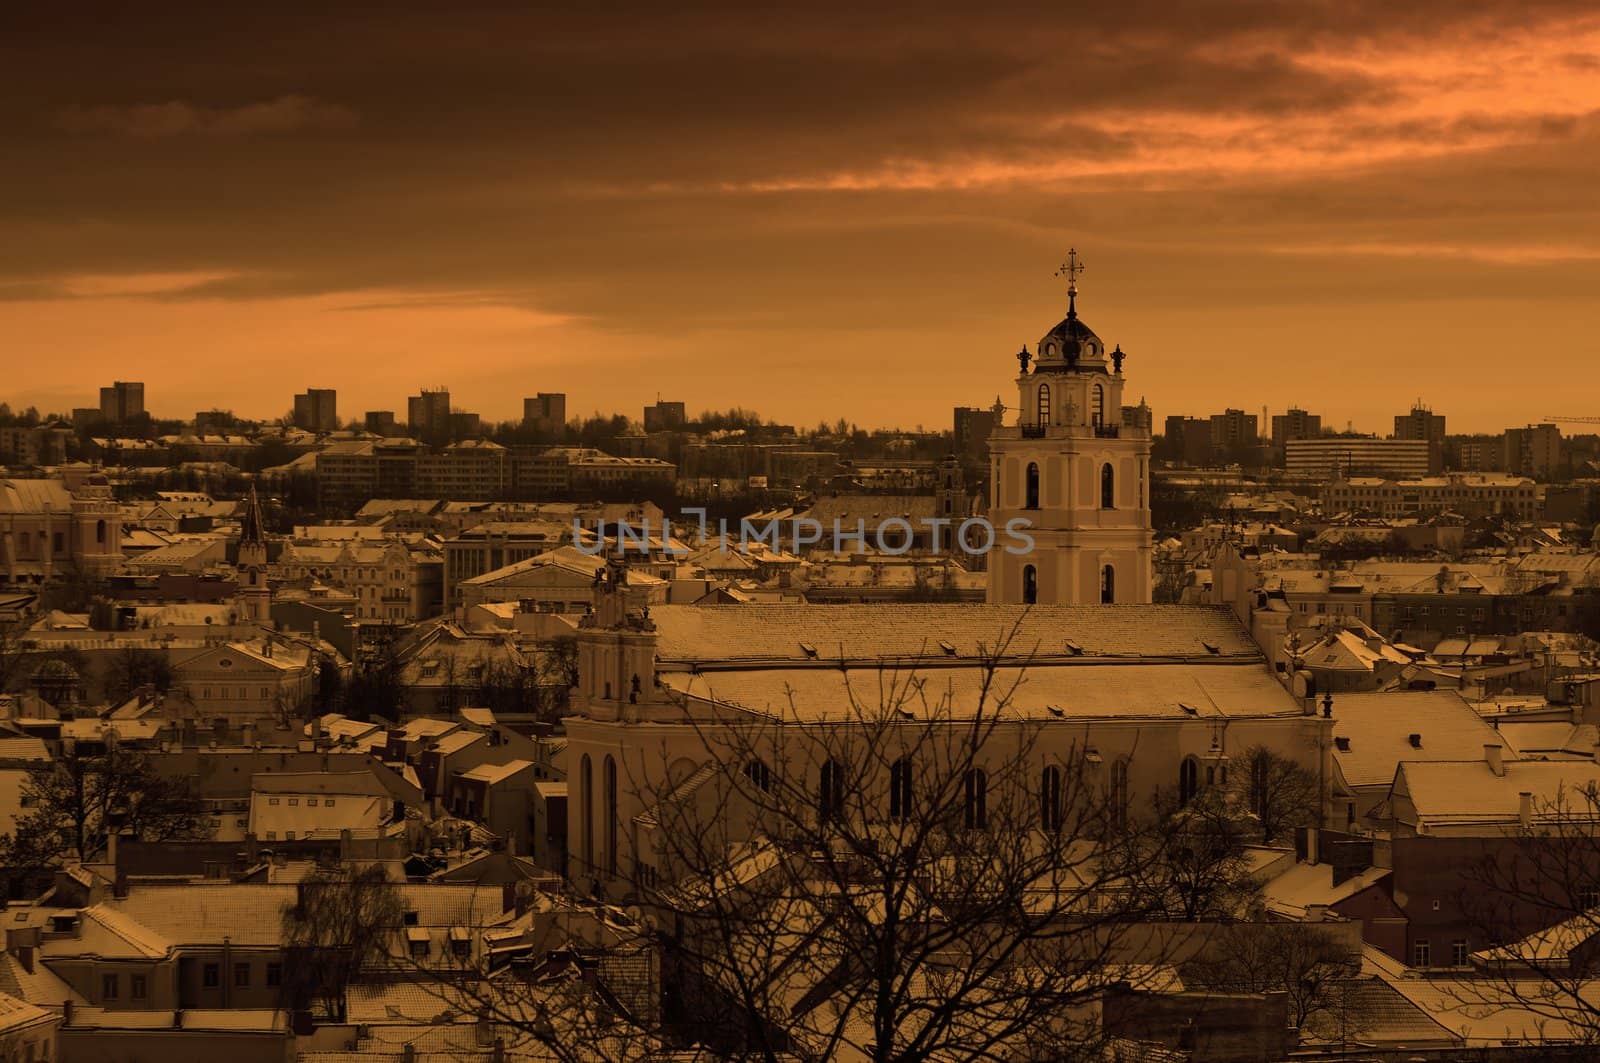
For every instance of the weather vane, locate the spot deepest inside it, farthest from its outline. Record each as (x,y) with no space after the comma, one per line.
(1070,270)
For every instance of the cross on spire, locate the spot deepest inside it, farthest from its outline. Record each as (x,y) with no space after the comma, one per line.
(1070,270)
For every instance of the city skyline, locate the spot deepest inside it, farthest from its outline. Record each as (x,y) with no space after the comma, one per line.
(866,210)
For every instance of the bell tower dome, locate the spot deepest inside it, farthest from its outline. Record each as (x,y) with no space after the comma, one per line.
(1073,473)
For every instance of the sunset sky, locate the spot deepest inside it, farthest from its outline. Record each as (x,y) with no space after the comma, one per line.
(849,211)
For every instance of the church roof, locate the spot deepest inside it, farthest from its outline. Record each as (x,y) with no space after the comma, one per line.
(780,635)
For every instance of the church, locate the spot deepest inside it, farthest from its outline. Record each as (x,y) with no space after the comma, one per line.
(1134,697)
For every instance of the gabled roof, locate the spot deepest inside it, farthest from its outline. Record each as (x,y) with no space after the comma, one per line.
(1468,793)
(1379,729)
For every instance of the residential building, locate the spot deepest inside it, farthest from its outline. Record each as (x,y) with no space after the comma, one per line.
(547,412)
(1295,423)
(428,414)
(663,416)
(321,804)
(48,530)
(381,422)
(389,579)
(317,410)
(1232,429)
(1187,440)
(974,426)
(43,444)
(122,402)
(1534,450)
(1423,423)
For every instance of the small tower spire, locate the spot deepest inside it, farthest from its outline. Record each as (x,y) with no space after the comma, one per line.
(1070,270)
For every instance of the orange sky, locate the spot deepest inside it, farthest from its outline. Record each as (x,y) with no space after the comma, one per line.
(817,214)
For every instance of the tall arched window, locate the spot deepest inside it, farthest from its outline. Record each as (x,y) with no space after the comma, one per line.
(1030,585)
(1031,500)
(759,775)
(1097,406)
(1044,404)
(1118,797)
(975,808)
(1108,487)
(611,815)
(99,531)
(900,788)
(830,791)
(1108,585)
(1051,812)
(1188,780)
(586,808)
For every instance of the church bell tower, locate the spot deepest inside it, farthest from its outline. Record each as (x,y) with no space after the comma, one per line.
(1072,474)
(253,601)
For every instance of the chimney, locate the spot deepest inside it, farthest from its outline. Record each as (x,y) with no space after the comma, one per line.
(1492,755)
(1525,809)
(408,1053)
(66,1012)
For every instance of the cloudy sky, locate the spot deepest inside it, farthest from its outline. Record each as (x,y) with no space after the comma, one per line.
(829,212)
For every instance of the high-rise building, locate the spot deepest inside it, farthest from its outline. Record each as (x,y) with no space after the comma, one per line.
(546,411)
(121,402)
(1074,475)
(1423,423)
(428,414)
(317,410)
(664,416)
(1295,423)
(1187,440)
(973,427)
(1233,428)
(382,422)
(1533,450)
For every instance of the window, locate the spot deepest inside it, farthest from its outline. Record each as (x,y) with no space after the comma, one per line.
(759,774)
(328,803)
(1030,585)
(109,986)
(1108,585)
(272,800)
(1421,953)
(288,835)
(1050,810)
(586,802)
(1108,487)
(1119,793)
(419,948)
(1044,404)
(137,987)
(1188,780)
(293,802)
(1259,769)
(274,975)
(1458,953)
(1588,899)
(975,808)
(211,975)
(1032,480)
(900,788)
(830,791)
(611,816)
(241,975)
(1097,408)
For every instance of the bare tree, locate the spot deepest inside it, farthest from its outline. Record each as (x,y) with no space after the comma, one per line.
(1531,899)
(922,877)
(1279,791)
(1190,862)
(341,924)
(75,802)
(1306,962)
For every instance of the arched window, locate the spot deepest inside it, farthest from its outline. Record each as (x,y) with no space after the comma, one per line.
(1108,585)
(1108,487)
(1032,499)
(1188,780)
(611,815)
(1097,406)
(900,788)
(586,807)
(1051,812)
(1117,799)
(1044,404)
(1030,585)
(830,791)
(100,531)
(759,775)
(1260,777)
(975,808)
(949,481)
